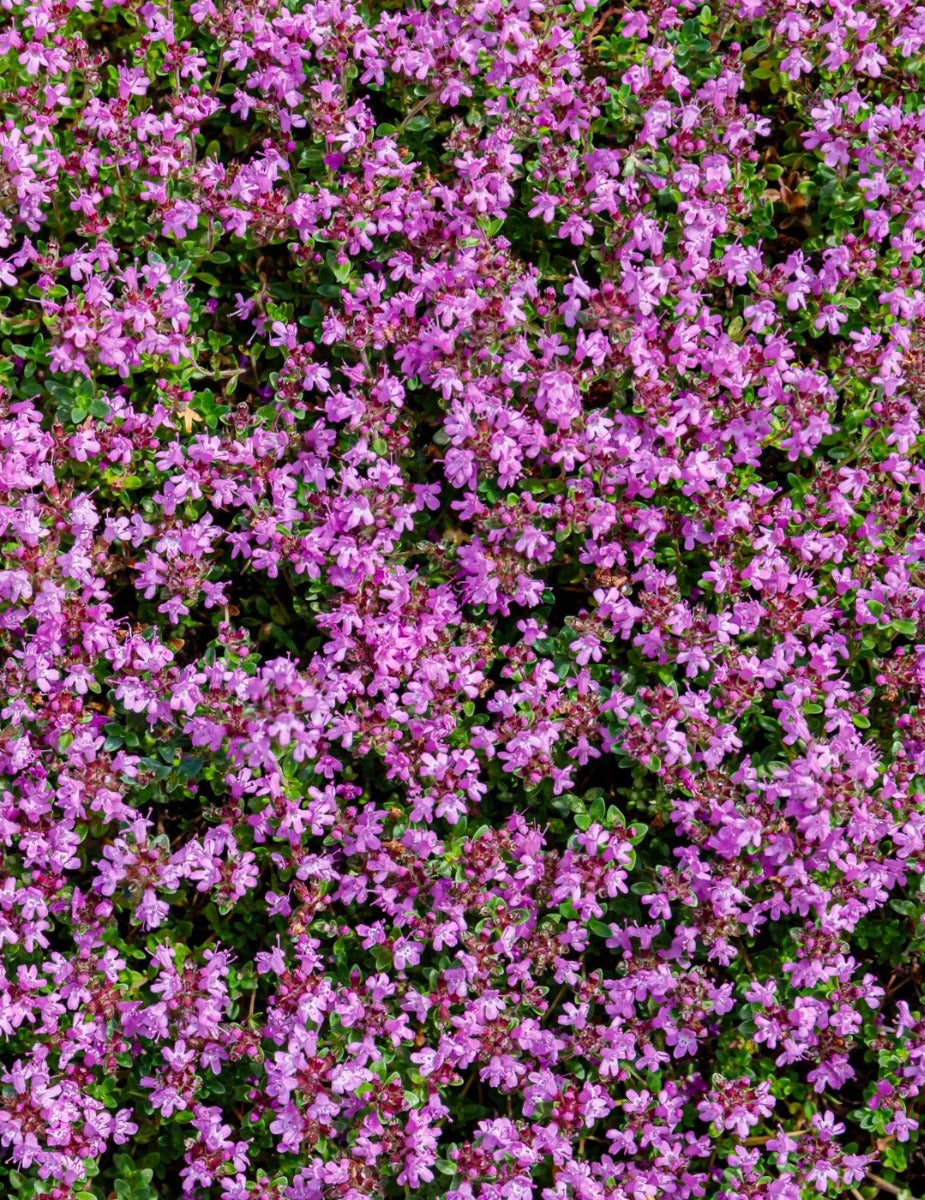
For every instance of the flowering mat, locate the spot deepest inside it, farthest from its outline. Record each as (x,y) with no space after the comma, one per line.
(462,665)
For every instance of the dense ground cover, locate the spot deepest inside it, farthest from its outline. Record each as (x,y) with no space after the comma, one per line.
(461,598)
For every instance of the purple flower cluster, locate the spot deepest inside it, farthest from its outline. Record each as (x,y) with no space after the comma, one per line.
(462,579)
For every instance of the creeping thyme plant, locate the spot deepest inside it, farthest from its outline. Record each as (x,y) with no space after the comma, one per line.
(462,578)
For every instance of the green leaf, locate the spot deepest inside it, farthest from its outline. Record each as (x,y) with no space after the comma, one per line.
(895,1157)
(190,767)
